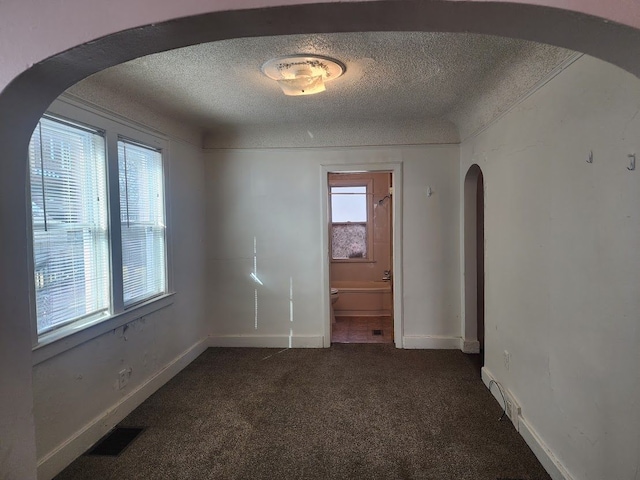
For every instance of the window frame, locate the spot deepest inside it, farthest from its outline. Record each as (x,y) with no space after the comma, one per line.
(76,112)
(101,313)
(130,141)
(344,182)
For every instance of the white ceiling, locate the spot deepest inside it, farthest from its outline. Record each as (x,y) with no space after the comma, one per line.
(390,76)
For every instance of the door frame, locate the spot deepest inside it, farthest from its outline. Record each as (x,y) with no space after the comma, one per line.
(470,342)
(396,174)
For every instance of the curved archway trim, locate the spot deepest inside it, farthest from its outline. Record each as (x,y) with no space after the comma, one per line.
(34,73)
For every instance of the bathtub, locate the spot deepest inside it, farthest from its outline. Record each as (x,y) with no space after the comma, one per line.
(363,298)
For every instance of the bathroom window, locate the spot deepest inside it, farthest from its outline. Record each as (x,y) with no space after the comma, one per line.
(350,213)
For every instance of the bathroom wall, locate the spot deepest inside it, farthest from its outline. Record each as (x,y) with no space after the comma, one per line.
(372,269)
(274,197)
(563,267)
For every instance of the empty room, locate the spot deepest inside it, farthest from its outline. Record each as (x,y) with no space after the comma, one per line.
(285,239)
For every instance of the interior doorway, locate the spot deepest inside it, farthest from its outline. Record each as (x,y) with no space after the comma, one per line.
(474,275)
(361,256)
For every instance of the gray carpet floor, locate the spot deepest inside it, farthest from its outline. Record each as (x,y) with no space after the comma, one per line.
(351,411)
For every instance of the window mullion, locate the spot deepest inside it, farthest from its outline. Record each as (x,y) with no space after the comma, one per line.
(115,237)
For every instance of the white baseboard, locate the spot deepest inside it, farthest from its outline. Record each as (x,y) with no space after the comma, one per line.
(546,457)
(60,457)
(469,346)
(542,452)
(431,342)
(267,341)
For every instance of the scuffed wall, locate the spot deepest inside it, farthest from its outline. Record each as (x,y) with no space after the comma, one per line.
(80,385)
(563,264)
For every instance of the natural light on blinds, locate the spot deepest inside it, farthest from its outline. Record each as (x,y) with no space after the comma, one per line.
(70,235)
(143,222)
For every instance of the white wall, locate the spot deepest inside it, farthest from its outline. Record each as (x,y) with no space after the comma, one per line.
(76,395)
(563,265)
(275,196)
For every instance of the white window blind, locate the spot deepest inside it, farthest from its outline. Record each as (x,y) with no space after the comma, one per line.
(69,213)
(143,222)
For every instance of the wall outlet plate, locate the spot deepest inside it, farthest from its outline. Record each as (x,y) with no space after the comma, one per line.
(512,408)
(123,377)
(507,359)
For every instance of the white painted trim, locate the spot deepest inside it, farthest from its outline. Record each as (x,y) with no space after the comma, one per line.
(431,342)
(543,453)
(60,457)
(363,313)
(396,170)
(80,102)
(469,346)
(266,341)
(70,336)
(336,147)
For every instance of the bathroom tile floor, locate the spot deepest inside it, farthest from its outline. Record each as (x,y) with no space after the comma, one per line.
(360,330)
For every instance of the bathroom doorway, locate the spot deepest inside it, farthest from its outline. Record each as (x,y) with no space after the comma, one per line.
(360,232)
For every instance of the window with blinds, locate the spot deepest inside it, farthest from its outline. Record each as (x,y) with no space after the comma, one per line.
(70,223)
(143,222)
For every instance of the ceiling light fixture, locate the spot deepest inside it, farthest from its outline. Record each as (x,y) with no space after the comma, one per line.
(303,74)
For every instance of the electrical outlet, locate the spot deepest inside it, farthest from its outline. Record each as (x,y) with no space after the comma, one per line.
(509,409)
(123,377)
(512,409)
(507,360)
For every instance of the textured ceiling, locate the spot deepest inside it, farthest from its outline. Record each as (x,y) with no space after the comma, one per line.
(390,77)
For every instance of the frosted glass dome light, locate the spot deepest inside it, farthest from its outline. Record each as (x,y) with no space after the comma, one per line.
(303,74)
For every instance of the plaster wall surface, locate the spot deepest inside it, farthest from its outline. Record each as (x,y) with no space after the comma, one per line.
(275,196)
(336,133)
(96,94)
(562,264)
(71,390)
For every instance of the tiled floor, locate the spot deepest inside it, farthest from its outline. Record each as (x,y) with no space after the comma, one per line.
(360,330)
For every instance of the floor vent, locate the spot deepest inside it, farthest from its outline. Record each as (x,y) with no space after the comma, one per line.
(377,332)
(115,442)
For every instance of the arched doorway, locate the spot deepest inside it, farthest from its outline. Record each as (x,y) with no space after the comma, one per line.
(24,100)
(474,261)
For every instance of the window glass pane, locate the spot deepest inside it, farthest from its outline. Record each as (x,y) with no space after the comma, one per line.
(349,241)
(143,224)
(69,213)
(349,204)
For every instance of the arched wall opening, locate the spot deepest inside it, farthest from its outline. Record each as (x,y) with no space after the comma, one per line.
(473,246)
(24,100)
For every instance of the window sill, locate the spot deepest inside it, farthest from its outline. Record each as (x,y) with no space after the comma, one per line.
(65,338)
(353,260)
